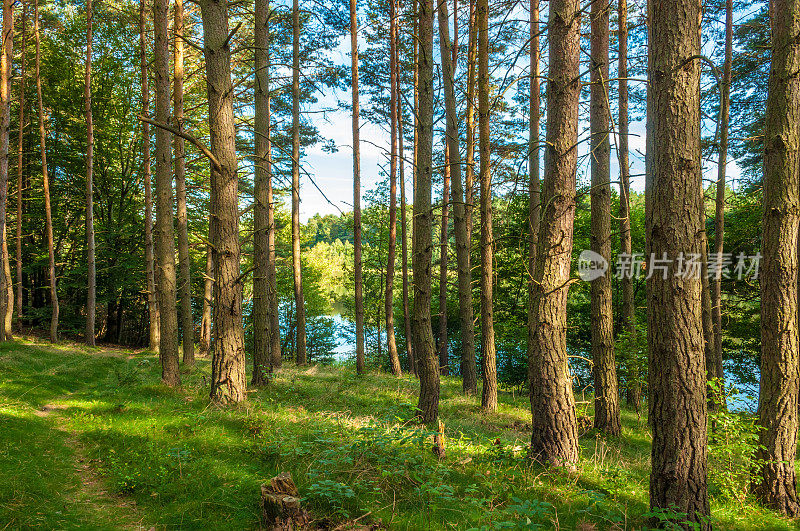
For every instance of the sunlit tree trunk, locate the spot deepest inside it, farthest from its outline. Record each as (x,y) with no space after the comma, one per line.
(488,354)
(48,212)
(604,369)
(7,297)
(555,435)
(20,155)
(424,347)
(469,376)
(228,381)
(714,370)
(357,261)
(208,294)
(184,274)
(297,268)
(443,241)
(404,240)
(391,343)
(674,212)
(91,281)
(149,255)
(534,185)
(777,405)
(164,232)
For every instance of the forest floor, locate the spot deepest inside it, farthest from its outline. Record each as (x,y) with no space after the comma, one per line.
(89,438)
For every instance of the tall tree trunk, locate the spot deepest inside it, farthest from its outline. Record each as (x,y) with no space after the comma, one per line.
(469,376)
(777,406)
(262,358)
(626,246)
(412,366)
(274,336)
(391,342)
(20,159)
(715,370)
(149,255)
(297,267)
(488,354)
(228,380)
(91,281)
(604,369)
(424,347)
(208,294)
(357,261)
(534,186)
(448,56)
(48,212)
(554,426)
(678,415)
(7,297)
(443,241)
(164,231)
(184,274)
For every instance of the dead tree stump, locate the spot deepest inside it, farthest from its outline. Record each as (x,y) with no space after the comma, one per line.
(280,504)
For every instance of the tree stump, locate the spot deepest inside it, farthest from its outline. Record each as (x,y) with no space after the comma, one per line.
(280,504)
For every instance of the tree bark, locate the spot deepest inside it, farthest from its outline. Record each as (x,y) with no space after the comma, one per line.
(357,260)
(777,406)
(149,255)
(262,358)
(91,281)
(404,239)
(391,342)
(164,233)
(228,380)
(534,177)
(715,370)
(7,301)
(424,347)
(604,370)
(488,354)
(555,434)
(626,246)
(45,183)
(443,241)
(448,57)
(469,376)
(184,274)
(297,267)
(20,159)
(677,380)
(208,293)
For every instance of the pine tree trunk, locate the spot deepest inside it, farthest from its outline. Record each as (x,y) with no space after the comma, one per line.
(534,186)
(715,370)
(7,302)
(272,276)
(626,246)
(184,274)
(778,398)
(228,380)
(91,281)
(404,240)
(469,376)
(604,369)
(357,261)
(149,255)
(391,343)
(262,359)
(424,347)
(674,212)
(164,232)
(488,354)
(443,240)
(555,434)
(20,159)
(297,268)
(447,49)
(48,212)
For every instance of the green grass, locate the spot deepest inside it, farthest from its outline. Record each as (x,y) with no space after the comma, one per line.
(115,449)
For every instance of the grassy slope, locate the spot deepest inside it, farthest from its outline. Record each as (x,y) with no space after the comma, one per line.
(114,449)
